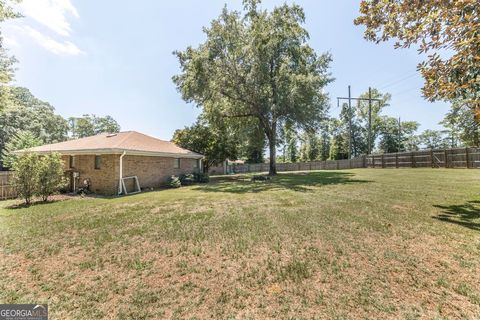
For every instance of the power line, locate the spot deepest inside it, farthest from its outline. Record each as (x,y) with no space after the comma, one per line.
(369,99)
(398,81)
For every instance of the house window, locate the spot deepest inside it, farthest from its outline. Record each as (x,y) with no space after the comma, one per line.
(71,162)
(98,162)
(176,163)
(196,164)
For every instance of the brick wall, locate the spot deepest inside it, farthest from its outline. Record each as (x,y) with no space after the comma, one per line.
(155,171)
(103,180)
(152,172)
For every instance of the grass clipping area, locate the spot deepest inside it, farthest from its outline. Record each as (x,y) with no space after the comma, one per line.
(366,243)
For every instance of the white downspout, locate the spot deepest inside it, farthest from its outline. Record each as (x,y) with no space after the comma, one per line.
(121,173)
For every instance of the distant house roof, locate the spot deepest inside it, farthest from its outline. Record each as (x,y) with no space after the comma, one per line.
(131,142)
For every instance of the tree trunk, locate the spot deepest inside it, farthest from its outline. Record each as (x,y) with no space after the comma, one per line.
(273,153)
(206,166)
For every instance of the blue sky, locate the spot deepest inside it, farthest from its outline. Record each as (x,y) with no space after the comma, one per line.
(110,57)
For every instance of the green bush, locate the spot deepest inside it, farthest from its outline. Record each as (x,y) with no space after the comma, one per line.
(38,175)
(187,179)
(50,175)
(201,177)
(25,177)
(174,182)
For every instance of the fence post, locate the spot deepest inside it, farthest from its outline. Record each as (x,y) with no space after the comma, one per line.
(431,157)
(373,161)
(467,155)
(383,161)
(446,158)
(337,162)
(396,160)
(413,160)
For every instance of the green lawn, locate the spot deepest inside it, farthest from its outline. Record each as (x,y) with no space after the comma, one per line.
(366,243)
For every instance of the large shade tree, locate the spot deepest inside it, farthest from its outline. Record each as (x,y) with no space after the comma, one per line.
(447,30)
(25,113)
(257,64)
(7,62)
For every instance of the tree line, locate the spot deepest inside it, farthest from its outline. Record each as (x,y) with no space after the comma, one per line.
(260,85)
(26,121)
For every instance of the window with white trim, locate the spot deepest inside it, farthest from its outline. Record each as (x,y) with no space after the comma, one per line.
(176,163)
(72,162)
(98,162)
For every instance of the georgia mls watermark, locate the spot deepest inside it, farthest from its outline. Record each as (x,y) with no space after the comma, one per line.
(23,312)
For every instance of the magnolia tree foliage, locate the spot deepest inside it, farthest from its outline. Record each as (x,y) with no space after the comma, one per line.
(257,64)
(446,30)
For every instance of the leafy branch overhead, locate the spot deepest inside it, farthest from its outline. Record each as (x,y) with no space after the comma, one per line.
(448,31)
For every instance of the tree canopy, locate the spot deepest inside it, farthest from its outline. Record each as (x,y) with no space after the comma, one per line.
(28,121)
(7,62)
(257,64)
(446,30)
(462,125)
(216,144)
(25,113)
(90,125)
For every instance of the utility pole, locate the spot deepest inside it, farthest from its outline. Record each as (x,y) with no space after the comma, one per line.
(370,99)
(369,120)
(399,134)
(350,123)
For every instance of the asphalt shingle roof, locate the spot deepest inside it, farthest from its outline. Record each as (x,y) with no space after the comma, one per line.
(130,141)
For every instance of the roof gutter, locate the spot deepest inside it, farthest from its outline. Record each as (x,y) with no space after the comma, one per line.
(121,173)
(113,151)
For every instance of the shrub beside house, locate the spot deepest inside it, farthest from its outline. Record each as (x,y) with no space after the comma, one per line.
(102,163)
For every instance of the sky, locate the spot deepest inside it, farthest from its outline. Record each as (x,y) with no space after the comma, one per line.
(107,58)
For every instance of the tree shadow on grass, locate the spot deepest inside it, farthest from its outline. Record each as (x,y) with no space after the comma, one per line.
(299,181)
(466,215)
(22,205)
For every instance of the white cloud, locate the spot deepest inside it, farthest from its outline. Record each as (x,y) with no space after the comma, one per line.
(51,13)
(10,42)
(52,45)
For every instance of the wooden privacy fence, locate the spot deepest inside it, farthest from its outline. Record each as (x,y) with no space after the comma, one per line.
(434,158)
(7,191)
(359,162)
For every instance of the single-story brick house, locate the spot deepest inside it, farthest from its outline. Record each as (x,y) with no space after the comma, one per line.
(104,160)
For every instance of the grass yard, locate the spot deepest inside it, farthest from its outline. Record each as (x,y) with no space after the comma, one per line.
(366,243)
